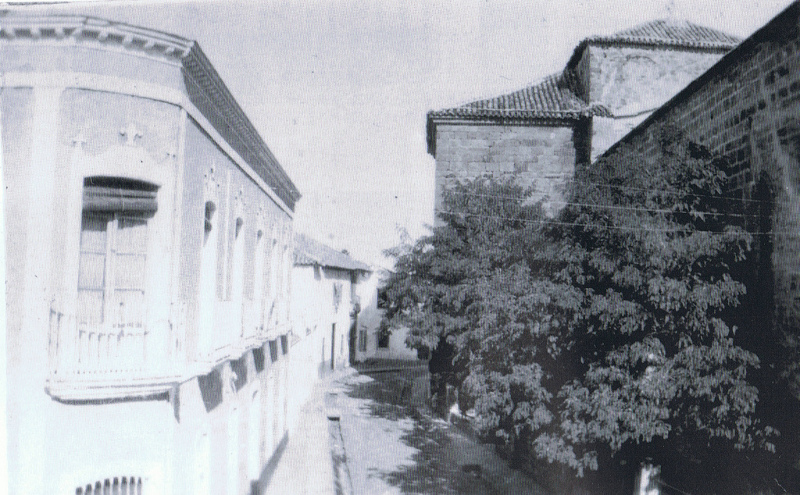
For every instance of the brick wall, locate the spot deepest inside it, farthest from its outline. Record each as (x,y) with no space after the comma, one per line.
(746,109)
(540,156)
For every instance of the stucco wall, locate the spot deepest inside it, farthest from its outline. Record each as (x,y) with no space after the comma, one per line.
(208,410)
(211,175)
(369,318)
(17,114)
(87,59)
(314,313)
(746,111)
(543,157)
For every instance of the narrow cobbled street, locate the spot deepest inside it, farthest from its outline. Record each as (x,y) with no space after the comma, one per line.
(392,444)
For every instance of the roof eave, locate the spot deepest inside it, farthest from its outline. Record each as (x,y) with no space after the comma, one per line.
(196,64)
(150,42)
(519,117)
(183,53)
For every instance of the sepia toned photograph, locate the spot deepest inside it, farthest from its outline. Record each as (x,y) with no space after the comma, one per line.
(353,247)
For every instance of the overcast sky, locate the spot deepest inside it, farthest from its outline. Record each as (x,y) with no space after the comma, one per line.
(339,90)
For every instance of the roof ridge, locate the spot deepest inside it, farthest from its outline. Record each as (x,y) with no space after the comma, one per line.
(670,29)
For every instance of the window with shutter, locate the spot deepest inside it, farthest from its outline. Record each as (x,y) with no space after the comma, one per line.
(113,252)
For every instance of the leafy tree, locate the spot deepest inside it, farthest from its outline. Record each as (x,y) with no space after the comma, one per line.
(486,284)
(601,334)
(660,245)
(450,286)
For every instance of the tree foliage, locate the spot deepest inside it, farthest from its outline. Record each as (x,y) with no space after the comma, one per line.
(603,331)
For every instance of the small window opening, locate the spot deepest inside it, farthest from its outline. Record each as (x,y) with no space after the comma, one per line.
(209,219)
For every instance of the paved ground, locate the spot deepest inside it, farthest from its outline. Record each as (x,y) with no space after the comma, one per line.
(304,467)
(381,445)
(394,448)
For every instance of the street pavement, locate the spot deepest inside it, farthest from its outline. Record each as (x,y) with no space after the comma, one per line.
(394,445)
(382,440)
(305,466)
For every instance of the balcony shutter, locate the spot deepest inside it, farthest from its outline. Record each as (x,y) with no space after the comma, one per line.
(119,195)
(119,200)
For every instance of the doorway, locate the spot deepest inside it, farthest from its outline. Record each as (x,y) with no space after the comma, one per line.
(333,345)
(352,340)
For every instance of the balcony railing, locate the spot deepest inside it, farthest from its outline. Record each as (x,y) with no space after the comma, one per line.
(88,362)
(86,358)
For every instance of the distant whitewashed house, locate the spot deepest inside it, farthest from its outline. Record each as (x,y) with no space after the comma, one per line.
(326,304)
(149,234)
(337,313)
(388,344)
(325,312)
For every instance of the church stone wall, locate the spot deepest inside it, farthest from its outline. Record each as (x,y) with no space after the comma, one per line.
(534,155)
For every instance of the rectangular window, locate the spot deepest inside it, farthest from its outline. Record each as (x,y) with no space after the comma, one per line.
(383,340)
(113,252)
(273,351)
(383,299)
(258,359)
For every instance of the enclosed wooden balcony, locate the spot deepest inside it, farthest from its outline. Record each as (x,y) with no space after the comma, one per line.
(125,354)
(90,361)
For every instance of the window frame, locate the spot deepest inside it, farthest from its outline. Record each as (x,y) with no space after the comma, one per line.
(114,200)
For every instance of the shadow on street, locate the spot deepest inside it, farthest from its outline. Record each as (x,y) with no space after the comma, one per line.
(395,439)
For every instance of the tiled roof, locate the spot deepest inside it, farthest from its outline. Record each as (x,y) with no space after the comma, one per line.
(308,251)
(676,32)
(554,97)
(666,33)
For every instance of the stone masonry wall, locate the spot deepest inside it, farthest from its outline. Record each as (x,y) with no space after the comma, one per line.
(746,111)
(540,156)
(631,82)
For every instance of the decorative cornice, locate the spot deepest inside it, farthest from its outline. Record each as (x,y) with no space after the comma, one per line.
(81,28)
(214,100)
(211,185)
